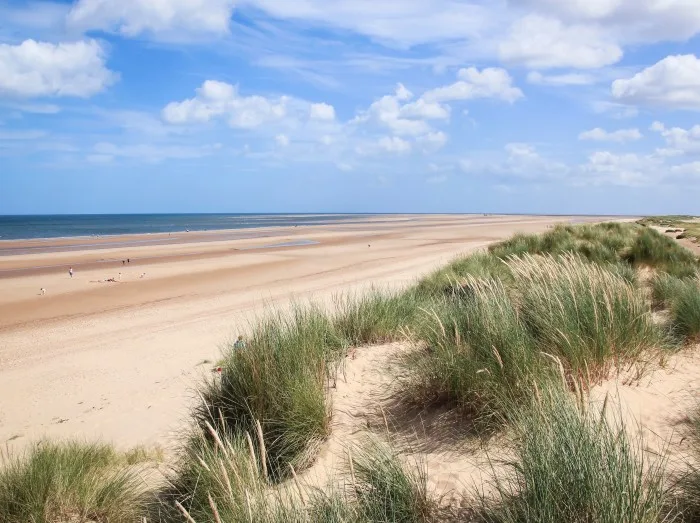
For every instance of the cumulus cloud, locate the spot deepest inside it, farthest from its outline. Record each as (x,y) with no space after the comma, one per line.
(216,99)
(425,110)
(394,144)
(541,42)
(387,112)
(282,140)
(620,136)
(488,83)
(322,111)
(172,19)
(673,82)
(679,140)
(33,69)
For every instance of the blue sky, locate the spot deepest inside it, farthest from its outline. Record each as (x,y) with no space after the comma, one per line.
(542,106)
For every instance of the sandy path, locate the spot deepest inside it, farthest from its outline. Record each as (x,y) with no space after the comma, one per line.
(119,360)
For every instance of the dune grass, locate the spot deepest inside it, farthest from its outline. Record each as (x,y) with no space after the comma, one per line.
(605,243)
(681,296)
(574,465)
(224,480)
(70,482)
(685,310)
(387,489)
(479,354)
(558,315)
(687,487)
(282,376)
(449,280)
(584,313)
(690,227)
(280,380)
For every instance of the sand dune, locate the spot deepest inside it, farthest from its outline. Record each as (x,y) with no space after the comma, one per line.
(119,360)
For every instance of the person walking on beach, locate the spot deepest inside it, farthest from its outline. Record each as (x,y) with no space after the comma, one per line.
(70,271)
(240,344)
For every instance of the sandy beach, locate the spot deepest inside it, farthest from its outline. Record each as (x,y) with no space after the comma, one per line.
(119,360)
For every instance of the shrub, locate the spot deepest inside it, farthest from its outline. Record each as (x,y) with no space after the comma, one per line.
(56,483)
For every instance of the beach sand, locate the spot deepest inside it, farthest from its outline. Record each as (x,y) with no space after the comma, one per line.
(120,360)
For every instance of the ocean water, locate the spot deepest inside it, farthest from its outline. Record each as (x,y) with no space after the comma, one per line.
(64,225)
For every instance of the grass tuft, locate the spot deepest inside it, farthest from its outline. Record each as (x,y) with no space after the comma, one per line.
(572,465)
(69,482)
(584,313)
(479,353)
(387,489)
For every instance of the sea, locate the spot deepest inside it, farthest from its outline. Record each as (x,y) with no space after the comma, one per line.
(65,225)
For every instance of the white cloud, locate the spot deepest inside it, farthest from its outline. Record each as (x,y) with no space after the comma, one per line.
(322,111)
(631,20)
(680,141)
(487,83)
(215,99)
(614,110)
(541,42)
(387,112)
(432,142)
(620,136)
(394,144)
(33,69)
(171,19)
(673,82)
(282,140)
(537,78)
(400,23)
(425,110)
(604,167)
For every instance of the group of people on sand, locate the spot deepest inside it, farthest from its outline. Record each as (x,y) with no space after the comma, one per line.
(42,291)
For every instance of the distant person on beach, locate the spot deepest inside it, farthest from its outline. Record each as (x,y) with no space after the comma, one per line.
(240,344)
(123,262)
(128,260)
(70,271)
(43,291)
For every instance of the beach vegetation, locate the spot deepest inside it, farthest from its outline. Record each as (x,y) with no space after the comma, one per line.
(70,482)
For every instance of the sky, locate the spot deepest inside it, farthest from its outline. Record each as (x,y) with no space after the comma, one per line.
(533,106)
